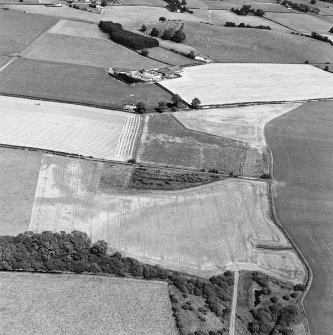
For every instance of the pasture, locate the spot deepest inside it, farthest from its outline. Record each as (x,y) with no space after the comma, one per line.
(148,3)
(302,145)
(76,84)
(200,230)
(18,30)
(238,45)
(170,57)
(220,17)
(87,51)
(239,83)
(80,304)
(304,23)
(78,130)
(18,182)
(239,123)
(166,142)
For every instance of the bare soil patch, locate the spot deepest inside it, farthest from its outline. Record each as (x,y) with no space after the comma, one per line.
(75,83)
(18,182)
(80,304)
(18,30)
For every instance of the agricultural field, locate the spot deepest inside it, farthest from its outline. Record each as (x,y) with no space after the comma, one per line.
(79,84)
(239,123)
(89,304)
(233,83)
(304,23)
(238,45)
(200,230)
(148,3)
(18,182)
(220,17)
(77,130)
(4,60)
(169,57)
(87,51)
(166,142)
(301,143)
(18,30)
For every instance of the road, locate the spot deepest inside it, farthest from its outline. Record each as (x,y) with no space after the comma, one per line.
(232,325)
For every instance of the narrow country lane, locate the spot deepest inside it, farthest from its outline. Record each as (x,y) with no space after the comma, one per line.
(234,305)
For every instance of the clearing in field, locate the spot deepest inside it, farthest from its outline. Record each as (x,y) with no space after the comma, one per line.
(203,230)
(73,129)
(239,123)
(18,182)
(87,51)
(304,23)
(229,45)
(18,30)
(75,83)
(81,304)
(233,83)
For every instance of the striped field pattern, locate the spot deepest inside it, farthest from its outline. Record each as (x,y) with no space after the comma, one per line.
(109,135)
(200,230)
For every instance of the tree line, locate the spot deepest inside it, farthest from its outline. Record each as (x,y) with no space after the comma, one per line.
(133,40)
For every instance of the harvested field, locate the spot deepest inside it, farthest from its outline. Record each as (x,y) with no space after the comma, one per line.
(18,182)
(87,51)
(302,145)
(81,304)
(18,30)
(255,45)
(238,83)
(4,60)
(220,17)
(304,23)
(201,230)
(169,57)
(75,83)
(78,29)
(166,142)
(169,179)
(239,123)
(77,130)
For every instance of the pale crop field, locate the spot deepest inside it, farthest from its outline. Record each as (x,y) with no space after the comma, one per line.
(239,83)
(77,28)
(38,304)
(239,123)
(199,230)
(68,128)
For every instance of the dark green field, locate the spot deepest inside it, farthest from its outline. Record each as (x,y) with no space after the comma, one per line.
(75,83)
(302,145)
(18,30)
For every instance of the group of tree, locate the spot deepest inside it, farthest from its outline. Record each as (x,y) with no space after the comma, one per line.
(246,9)
(74,252)
(178,5)
(300,7)
(177,36)
(321,38)
(243,25)
(125,37)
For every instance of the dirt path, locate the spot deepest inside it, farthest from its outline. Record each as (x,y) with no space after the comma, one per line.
(234,305)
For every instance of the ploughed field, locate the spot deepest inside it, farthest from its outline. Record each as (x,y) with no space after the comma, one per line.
(68,128)
(166,142)
(216,84)
(201,230)
(75,83)
(302,146)
(81,304)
